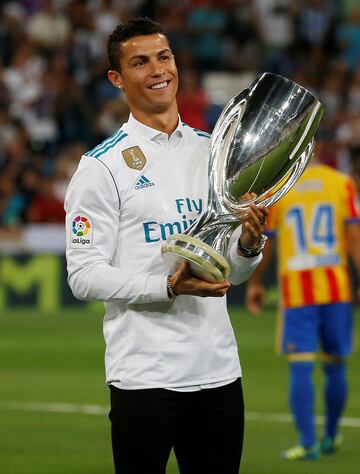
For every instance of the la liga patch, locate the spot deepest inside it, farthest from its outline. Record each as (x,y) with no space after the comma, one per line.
(81,232)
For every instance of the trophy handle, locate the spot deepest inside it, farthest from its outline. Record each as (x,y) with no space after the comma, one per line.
(221,139)
(293,175)
(233,108)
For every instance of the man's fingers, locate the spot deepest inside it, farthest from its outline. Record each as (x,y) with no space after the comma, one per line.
(248,196)
(219,289)
(183,269)
(220,292)
(259,213)
(184,282)
(220,285)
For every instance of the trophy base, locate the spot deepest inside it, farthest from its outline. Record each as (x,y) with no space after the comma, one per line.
(205,262)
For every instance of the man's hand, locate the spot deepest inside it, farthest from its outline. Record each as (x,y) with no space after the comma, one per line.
(254,298)
(253,222)
(184,283)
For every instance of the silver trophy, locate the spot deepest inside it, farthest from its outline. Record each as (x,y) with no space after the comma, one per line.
(261,143)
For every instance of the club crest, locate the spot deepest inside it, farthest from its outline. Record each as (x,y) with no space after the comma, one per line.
(134,158)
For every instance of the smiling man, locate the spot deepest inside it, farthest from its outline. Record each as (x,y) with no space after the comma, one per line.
(145,68)
(171,357)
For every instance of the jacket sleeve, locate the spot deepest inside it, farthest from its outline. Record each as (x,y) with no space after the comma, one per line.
(93,211)
(241,267)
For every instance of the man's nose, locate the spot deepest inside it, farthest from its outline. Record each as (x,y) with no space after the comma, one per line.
(157,69)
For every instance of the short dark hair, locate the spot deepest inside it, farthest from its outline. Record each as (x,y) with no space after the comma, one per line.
(134,27)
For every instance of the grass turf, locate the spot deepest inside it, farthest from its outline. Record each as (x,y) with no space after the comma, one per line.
(58,358)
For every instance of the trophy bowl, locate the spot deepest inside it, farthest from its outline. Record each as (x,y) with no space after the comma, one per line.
(261,144)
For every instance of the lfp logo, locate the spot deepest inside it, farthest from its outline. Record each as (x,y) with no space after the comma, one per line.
(81,232)
(81,226)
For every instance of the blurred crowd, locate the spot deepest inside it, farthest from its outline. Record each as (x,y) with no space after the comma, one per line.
(56,102)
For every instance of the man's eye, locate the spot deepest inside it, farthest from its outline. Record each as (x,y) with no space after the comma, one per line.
(165,57)
(139,62)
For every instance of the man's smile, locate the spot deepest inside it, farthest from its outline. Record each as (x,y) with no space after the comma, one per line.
(159,85)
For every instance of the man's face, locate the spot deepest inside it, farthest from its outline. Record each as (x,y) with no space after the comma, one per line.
(148,73)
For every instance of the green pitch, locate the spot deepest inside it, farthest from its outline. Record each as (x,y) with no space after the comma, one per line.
(53,400)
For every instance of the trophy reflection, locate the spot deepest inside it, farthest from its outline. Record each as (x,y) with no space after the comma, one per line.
(261,144)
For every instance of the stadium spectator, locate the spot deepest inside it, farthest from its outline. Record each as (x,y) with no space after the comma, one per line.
(106,16)
(12,18)
(23,78)
(274,22)
(315,22)
(45,207)
(173,15)
(7,131)
(49,28)
(112,113)
(171,358)
(330,153)
(348,131)
(241,34)
(12,202)
(66,167)
(352,104)
(348,34)
(331,96)
(192,100)
(72,111)
(206,22)
(28,185)
(317,228)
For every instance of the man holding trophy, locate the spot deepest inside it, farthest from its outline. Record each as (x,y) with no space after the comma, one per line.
(159,209)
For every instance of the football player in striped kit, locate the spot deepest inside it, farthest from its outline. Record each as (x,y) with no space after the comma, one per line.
(317,227)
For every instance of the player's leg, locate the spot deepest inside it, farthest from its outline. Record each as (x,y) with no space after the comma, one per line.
(210,435)
(301,400)
(336,335)
(141,429)
(299,343)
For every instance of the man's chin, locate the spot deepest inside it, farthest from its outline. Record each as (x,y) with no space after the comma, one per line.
(160,106)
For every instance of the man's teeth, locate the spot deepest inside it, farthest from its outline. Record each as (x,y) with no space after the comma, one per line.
(159,86)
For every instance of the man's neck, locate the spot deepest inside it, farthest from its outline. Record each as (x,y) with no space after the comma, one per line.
(165,122)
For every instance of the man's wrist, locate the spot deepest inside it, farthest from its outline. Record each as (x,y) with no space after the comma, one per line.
(170,290)
(252,252)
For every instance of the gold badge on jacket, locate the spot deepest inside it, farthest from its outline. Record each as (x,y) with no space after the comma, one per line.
(134,158)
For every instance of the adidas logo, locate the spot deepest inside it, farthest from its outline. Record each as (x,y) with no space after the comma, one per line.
(143,182)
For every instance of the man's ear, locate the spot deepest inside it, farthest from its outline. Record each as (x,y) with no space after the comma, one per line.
(115,78)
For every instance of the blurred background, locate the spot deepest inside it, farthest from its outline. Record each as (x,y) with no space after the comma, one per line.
(56,101)
(55,104)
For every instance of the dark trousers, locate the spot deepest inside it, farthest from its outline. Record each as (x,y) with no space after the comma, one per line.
(205,428)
